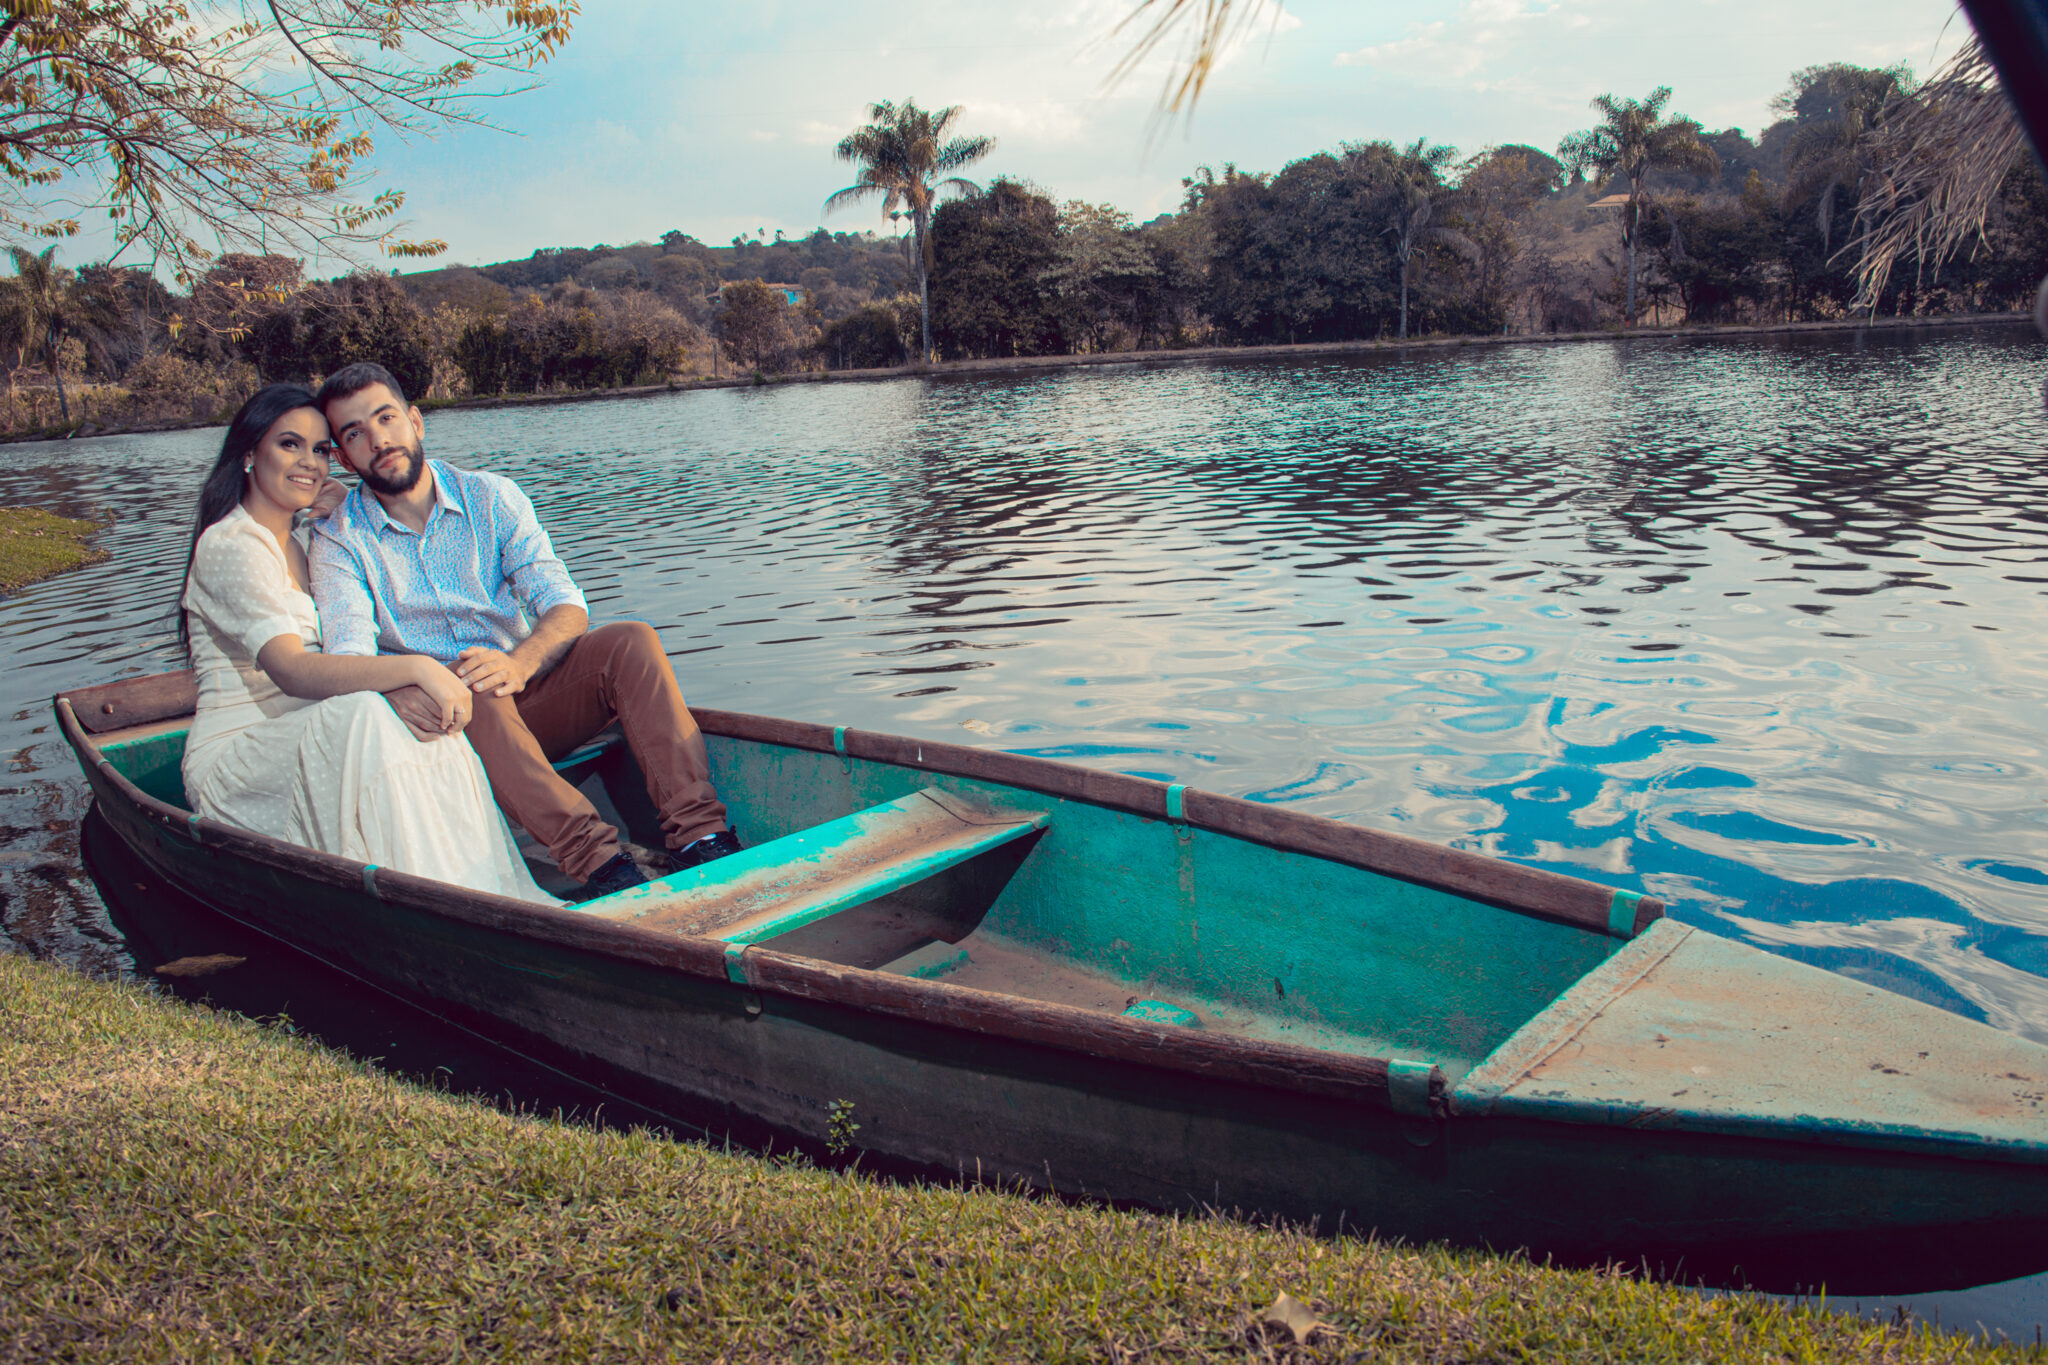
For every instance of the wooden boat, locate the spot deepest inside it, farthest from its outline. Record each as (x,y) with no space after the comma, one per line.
(1022,970)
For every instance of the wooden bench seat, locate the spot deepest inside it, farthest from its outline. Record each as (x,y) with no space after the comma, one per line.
(789,884)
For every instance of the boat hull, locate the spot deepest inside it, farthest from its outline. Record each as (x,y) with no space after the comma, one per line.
(937,1091)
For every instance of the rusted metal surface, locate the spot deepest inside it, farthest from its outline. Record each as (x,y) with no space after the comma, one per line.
(1693,1033)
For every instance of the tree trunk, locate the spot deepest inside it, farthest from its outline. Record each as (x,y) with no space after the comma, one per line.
(924,293)
(1404,298)
(57,373)
(1634,231)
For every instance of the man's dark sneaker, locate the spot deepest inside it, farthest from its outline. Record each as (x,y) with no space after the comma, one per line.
(620,874)
(710,848)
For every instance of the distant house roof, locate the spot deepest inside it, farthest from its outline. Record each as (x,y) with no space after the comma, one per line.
(1612,201)
(793,293)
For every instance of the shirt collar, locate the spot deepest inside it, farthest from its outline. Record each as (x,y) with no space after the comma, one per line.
(446,499)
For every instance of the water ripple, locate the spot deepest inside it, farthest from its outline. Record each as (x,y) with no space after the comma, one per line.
(1755,625)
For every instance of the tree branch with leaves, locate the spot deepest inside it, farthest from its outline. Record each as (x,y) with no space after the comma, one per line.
(204,128)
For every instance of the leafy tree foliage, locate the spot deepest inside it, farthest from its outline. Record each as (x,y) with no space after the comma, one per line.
(869,338)
(755,326)
(1302,256)
(991,291)
(176,121)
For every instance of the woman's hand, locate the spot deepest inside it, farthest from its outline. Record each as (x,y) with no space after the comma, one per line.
(449,695)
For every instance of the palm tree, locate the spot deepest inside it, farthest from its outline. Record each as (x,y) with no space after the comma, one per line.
(1413,203)
(39,303)
(904,156)
(1636,139)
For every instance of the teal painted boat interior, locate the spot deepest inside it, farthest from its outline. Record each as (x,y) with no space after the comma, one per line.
(1110,908)
(1157,921)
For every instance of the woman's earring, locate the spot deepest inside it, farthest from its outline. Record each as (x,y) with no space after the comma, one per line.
(248,466)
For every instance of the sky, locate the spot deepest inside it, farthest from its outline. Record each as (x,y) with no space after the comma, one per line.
(718,119)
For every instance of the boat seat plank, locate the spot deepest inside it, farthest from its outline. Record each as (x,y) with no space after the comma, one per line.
(1704,1035)
(771,889)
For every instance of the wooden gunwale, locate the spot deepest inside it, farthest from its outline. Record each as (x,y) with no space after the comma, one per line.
(1509,886)
(1278,1066)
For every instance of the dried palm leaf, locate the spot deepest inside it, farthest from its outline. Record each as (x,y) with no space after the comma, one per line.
(1939,158)
(1217,22)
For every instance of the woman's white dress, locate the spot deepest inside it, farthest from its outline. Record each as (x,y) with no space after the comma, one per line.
(343,775)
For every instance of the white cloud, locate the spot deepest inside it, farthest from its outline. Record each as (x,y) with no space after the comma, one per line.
(1483,31)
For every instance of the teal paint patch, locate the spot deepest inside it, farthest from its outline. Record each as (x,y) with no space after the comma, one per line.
(1621,914)
(571,763)
(192,828)
(370,881)
(154,764)
(1161,1012)
(1408,1086)
(736,964)
(1177,801)
(839,740)
(930,962)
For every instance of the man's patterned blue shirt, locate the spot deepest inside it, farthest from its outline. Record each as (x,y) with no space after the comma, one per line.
(481,573)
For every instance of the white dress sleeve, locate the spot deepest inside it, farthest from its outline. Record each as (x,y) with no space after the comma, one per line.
(240,587)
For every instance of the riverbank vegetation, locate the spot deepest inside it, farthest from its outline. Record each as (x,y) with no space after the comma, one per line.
(1643,216)
(35,544)
(181,1185)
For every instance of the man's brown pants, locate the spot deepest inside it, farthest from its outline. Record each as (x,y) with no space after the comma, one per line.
(616,672)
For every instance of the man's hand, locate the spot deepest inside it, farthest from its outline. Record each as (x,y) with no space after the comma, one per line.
(492,671)
(421,713)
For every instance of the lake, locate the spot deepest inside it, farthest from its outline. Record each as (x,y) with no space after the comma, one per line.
(1754,625)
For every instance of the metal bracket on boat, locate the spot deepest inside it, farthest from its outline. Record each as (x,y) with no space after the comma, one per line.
(192,828)
(1177,810)
(736,972)
(1408,1087)
(839,747)
(370,881)
(1621,914)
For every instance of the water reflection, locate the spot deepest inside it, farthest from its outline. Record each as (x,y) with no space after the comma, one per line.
(1754,625)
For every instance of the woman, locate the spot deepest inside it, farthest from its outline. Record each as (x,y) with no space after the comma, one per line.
(298,744)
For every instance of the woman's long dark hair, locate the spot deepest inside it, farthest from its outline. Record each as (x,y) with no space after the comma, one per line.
(222,490)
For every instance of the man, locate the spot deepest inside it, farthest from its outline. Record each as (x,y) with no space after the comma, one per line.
(425,558)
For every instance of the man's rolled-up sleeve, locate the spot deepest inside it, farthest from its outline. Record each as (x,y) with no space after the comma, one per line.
(538,577)
(348,615)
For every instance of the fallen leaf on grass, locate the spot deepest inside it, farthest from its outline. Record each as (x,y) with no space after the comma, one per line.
(1290,1318)
(200,966)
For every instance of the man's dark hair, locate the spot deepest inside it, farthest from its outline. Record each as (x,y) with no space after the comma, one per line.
(350,380)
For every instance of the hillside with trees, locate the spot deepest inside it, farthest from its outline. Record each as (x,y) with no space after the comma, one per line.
(1642,215)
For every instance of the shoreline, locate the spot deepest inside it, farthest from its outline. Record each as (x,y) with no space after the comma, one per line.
(1006,365)
(185,1183)
(35,545)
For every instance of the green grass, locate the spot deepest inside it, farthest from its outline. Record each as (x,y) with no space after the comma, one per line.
(182,1185)
(35,544)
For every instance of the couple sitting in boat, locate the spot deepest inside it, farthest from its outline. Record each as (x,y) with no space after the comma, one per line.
(431,654)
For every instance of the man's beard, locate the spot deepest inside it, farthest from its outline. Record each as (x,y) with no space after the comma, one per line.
(416,464)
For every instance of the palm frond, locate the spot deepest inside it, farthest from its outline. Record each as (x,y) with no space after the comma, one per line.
(1939,158)
(1216,23)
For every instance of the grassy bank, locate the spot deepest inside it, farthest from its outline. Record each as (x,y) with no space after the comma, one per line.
(178,1185)
(35,544)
